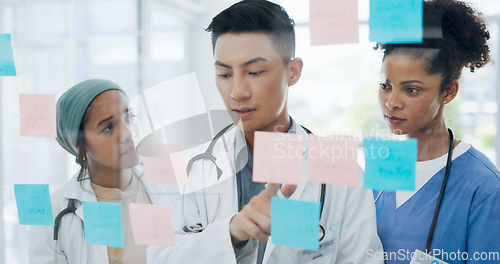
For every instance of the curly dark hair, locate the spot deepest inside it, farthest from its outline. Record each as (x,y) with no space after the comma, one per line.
(455,36)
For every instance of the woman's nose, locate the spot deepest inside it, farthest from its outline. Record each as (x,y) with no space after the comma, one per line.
(394,101)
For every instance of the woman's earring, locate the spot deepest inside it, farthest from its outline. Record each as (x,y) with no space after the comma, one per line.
(444,102)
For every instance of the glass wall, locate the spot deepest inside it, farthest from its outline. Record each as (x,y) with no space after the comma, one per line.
(139,43)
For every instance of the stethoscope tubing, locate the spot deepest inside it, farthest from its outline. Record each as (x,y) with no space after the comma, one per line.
(441,192)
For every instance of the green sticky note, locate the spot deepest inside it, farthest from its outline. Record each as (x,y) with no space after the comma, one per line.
(102,223)
(33,204)
(389,164)
(396,21)
(295,223)
(7,67)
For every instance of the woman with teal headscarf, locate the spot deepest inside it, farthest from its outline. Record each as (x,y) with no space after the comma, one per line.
(93,124)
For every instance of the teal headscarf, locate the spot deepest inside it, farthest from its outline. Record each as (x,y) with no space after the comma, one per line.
(71,108)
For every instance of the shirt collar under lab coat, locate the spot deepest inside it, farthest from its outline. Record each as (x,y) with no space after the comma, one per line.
(82,190)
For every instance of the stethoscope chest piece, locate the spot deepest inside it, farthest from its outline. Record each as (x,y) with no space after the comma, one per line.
(321,233)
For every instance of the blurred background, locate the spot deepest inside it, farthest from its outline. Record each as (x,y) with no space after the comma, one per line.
(140,43)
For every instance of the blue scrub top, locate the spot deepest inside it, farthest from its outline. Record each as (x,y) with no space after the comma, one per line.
(469,219)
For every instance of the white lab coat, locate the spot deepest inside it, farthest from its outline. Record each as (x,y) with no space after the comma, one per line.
(71,246)
(348,218)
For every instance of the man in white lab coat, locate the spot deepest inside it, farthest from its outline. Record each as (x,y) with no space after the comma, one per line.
(224,217)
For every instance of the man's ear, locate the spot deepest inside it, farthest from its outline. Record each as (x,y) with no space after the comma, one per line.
(451,92)
(295,70)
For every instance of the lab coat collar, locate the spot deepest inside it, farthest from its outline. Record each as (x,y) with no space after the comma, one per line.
(83,191)
(241,150)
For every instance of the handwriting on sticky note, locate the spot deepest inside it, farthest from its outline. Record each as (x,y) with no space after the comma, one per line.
(390,165)
(33,204)
(395,21)
(7,66)
(151,224)
(278,157)
(103,223)
(333,21)
(38,115)
(295,223)
(333,160)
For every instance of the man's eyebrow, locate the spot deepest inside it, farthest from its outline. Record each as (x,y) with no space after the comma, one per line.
(257,59)
(252,61)
(218,63)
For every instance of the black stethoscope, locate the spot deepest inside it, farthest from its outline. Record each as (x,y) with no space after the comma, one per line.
(71,209)
(208,155)
(57,222)
(441,193)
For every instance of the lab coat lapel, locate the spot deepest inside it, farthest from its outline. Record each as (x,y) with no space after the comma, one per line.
(80,191)
(208,193)
(226,161)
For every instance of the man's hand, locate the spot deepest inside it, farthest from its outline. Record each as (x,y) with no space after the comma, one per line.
(254,220)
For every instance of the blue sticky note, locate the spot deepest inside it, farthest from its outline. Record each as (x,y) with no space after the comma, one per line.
(33,204)
(7,67)
(396,21)
(295,223)
(102,223)
(390,165)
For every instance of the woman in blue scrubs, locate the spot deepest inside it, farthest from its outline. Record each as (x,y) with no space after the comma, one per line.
(418,81)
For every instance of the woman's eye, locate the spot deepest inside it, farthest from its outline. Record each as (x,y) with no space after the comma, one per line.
(412,90)
(255,73)
(384,86)
(107,128)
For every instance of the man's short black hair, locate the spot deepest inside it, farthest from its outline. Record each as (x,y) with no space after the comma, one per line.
(257,16)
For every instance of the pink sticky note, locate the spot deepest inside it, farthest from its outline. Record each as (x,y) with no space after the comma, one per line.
(38,115)
(333,21)
(333,160)
(278,157)
(151,225)
(163,167)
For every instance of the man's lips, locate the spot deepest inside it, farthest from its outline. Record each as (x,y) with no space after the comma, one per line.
(394,120)
(244,112)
